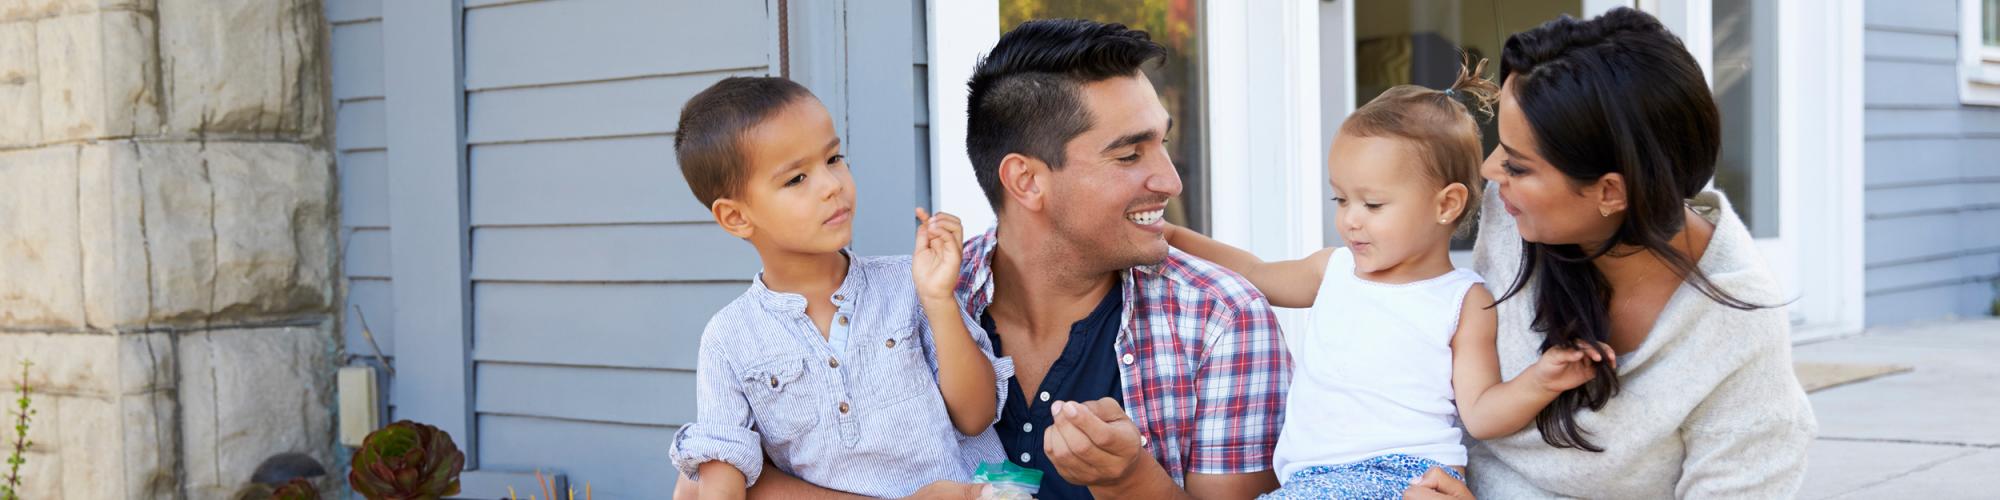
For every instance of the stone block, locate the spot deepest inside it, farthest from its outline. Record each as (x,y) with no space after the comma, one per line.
(35,9)
(119,447)
(229,232)
(40,262)
(274,220)
(20,86)
(75,364)
(98,75)
(247,394)
(244,66)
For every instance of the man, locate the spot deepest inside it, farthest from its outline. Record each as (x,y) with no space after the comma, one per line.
(1140,371)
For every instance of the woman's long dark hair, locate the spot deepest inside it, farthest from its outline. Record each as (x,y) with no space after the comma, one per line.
(1614,94)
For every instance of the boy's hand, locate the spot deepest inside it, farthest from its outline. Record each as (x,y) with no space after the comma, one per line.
(1564,368)
(934,263)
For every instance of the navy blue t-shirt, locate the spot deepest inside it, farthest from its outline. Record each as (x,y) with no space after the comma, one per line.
(1086,371)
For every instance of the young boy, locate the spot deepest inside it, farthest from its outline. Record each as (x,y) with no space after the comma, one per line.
(831,365)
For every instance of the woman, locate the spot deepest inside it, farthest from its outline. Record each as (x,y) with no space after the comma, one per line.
(1598,228)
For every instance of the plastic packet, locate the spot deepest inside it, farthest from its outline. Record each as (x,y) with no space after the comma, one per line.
(1007,481)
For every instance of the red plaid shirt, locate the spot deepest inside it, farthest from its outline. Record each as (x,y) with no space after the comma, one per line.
(1203,365)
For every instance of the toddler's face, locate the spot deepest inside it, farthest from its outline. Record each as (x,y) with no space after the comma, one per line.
(799,196)
(1386,207)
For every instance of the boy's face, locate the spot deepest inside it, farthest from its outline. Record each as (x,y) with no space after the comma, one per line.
(799,195)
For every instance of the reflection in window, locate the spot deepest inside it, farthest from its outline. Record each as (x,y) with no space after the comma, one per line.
(1990,20)
(1175,24)
(1746,90)
(1399,42)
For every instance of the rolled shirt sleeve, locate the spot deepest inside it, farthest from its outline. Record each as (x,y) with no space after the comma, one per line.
(722,428)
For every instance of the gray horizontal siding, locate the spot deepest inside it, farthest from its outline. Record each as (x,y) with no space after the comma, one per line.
(624,325)
(620,180)
(594,269)
(618,461)
(355,51)
(621,253)
(585,40)
(1932,194)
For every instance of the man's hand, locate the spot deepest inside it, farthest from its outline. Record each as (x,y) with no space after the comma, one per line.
(1094,443)
(1437,485)
(949,490)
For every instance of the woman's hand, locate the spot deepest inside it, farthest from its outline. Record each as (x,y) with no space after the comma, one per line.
(934,263)
(1437,485)
(1565,368)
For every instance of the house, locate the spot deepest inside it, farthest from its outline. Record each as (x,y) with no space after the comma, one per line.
(590,266)
(477,200)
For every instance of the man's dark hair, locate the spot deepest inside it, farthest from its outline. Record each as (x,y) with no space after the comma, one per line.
(708,140)
(1025,92)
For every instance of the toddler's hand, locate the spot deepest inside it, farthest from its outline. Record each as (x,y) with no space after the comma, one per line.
(1564,368)
(934,263)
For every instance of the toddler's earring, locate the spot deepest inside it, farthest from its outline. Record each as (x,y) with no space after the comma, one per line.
(1604,211)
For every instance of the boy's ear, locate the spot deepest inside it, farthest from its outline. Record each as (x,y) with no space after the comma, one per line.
(1024,180)
(1451,201)
(730,215)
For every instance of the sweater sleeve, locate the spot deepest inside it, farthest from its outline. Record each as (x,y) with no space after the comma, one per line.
(1749,438)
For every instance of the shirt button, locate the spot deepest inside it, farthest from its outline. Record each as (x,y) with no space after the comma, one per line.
(843,408)
(1045,396)
(774,381)
(1128,358)
(890,344)
(843,321)
(839,297)
(1143,441)
(1024,457)
(832,363)
(1027,427)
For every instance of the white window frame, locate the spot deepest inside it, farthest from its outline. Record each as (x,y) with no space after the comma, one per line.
(1818,259)
(1978,64)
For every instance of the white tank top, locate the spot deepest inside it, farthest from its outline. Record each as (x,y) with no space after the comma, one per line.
(1372,376)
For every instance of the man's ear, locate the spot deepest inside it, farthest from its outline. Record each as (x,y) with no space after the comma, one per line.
(1611,194)
(1025,180)
(730,214)
(1451,201)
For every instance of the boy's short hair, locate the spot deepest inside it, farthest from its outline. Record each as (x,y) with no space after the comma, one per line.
(708,142)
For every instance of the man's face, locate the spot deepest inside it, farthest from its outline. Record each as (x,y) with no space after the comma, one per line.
(1108,200)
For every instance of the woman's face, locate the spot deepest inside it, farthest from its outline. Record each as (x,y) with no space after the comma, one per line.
(1548,207)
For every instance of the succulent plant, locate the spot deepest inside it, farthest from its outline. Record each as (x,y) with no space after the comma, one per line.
(406,461)
(297,489)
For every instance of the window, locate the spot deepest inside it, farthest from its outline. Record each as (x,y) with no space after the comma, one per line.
(1399,42)
(1746,91)
(1177,26)
(1979,52)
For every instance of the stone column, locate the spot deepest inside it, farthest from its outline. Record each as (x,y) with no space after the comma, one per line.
(167,250)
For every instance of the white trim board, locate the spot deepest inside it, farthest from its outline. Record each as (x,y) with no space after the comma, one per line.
(961,32)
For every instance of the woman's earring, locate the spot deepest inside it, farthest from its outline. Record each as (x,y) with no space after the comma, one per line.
(1604,211)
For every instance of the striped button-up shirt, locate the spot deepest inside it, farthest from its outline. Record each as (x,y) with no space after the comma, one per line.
(1201,361)
(857,410)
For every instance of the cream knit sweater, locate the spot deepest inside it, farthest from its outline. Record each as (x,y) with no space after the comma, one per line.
(1710,406)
